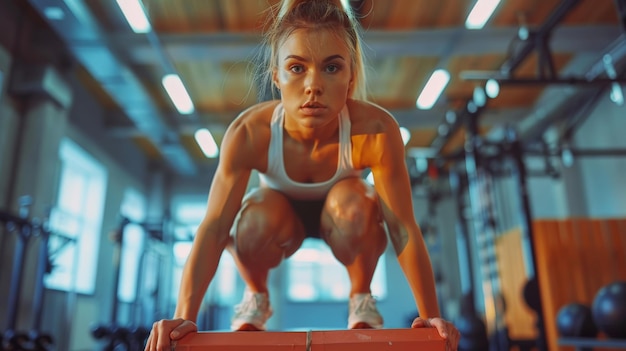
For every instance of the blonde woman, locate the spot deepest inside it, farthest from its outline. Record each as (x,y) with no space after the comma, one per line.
(310,148)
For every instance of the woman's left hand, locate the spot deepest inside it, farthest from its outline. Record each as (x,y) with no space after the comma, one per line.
(446,329)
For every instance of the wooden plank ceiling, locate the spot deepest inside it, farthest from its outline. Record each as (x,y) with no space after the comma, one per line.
(196,37)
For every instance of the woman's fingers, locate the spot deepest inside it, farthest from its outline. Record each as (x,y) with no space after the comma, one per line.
(446,329)
(166,330)
(183,329)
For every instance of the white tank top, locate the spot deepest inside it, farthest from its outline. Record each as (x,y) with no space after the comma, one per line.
(276,177)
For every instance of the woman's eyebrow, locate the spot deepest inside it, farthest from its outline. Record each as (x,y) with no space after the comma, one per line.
(332,57)
(300,58)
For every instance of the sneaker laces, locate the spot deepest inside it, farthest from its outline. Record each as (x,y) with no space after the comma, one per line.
(366,303)
(253,302)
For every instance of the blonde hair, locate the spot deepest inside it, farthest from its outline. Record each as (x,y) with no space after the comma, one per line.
(315,14)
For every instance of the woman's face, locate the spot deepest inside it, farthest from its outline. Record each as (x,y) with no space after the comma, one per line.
(314,75)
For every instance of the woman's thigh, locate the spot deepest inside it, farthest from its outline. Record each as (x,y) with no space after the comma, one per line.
(352,215)
(266,218)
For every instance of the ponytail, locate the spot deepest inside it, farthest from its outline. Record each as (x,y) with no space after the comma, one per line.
(287,6)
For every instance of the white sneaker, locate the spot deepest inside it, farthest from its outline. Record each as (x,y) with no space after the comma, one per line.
(252,313)
(363,313)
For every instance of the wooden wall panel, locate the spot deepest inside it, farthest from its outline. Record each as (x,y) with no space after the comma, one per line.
(520,319)
(575,258)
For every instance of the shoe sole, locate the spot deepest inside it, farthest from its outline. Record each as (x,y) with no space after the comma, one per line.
(363,325)
(248,327)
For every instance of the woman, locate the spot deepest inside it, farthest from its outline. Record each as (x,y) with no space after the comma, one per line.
(310,147)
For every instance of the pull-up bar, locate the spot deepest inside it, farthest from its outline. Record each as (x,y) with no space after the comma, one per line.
(426,339)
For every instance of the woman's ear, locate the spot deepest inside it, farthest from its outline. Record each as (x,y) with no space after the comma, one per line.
(275,79)
(351,87)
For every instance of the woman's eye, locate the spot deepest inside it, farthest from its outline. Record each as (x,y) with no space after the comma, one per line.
(332,68)
(296,69)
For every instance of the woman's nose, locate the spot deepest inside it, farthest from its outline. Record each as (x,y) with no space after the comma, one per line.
(313,83)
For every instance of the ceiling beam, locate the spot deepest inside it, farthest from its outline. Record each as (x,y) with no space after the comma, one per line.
(87,43)
(546,33)
(431,42)
(571,105)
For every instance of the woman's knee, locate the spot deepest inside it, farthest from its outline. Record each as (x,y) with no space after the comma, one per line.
(352,222)
(263,220)
(353,207)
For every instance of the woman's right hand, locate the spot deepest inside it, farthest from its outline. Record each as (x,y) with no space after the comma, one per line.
(167,330)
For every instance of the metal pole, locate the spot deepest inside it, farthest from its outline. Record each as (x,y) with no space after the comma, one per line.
(480,203)
(621,12)
(527,229)
(42,268)
(468,294)
(118,241)
(19,258)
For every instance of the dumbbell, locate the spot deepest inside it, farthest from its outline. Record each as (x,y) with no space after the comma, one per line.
(140,334)
(17,341)
(121,335)
(101,332)
(42,341)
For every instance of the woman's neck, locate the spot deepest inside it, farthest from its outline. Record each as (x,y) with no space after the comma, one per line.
(313,135)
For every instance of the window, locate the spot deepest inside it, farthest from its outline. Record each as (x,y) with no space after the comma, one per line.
(134,208)
(77,218)
(314,274)
(188,214)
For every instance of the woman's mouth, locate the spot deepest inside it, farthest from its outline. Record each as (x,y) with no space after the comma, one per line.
(312,104)
(312,108)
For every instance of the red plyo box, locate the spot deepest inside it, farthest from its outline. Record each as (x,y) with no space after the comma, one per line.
(423,339)
(244,340)
(426,339)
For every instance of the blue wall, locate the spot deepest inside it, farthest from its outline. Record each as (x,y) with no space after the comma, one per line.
(604,177)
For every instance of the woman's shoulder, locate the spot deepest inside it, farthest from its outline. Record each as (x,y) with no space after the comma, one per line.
(247,137)
(252,124)
(258,113)
(253,120)
(369,117)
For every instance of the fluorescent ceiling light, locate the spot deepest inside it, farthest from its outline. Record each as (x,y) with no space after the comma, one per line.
(421,164)
(492,88)
(567,157)
(135,15)
(177,92)
(406,135)
(616,94)
(480,14)
(54,13)
(479,96)
(206,142)
(433,89)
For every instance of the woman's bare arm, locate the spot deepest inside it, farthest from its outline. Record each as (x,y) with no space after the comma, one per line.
(387,162)
(227,190)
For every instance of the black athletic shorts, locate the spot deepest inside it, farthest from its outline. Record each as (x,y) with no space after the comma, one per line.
(310,213)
